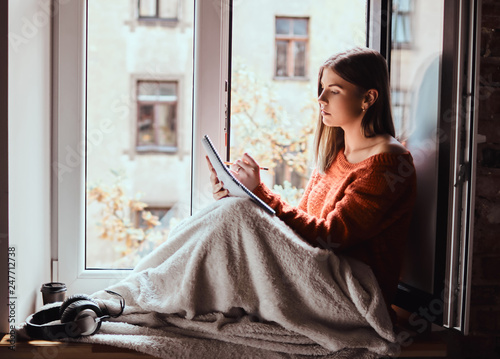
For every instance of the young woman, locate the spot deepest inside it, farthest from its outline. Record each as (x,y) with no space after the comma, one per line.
(231,263)
(233,259)
(359,199)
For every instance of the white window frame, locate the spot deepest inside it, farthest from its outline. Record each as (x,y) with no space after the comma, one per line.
(211,25)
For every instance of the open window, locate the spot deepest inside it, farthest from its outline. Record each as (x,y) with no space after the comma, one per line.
(133,102)
(432,55)
(129,93)
(430,47)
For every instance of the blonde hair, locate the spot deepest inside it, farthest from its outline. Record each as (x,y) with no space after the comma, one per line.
(366,69)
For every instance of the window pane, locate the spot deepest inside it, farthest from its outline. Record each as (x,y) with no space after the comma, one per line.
(145,219)
(147,8)
(156,91)
(415,89)
(300,58)
(406,27)
(281,58)
(401,22)
(401,31)
(146,125)
(138,131)
(402,5)
(167,135)
(167,89)
(399,105)
(168,9)
(282,26)
(147,88)
(300,27)
(273,117)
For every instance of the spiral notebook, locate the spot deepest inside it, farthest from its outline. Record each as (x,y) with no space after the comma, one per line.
(231,183)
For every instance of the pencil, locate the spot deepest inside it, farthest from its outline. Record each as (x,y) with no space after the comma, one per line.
(231,163)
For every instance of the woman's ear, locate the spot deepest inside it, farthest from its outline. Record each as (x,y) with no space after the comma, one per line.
(370,97)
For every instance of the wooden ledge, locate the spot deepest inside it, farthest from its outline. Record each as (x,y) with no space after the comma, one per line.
(38,349)
(421,347)
(423,344)
(432,346)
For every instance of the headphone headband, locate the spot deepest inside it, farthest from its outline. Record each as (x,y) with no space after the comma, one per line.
(77,316)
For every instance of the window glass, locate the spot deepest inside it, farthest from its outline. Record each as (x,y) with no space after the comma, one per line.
(166,125)
(300,59)
(167,88)
(401,22)
(147,8)
(138,123)
(146,125)
(147,89)
(274,80)
(168,9)
(399,105)
(403,5)
(300,27)
(281,58)
(415,91)
(282,26)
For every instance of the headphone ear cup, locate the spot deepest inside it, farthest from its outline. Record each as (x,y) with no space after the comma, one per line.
(72,311)
(73,299)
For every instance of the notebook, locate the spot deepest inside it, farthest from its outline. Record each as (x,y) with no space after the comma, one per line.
(231,183)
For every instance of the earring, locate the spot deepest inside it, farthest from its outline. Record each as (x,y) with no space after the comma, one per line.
(364,109)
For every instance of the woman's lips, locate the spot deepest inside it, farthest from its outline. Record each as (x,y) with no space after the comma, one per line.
(324,113)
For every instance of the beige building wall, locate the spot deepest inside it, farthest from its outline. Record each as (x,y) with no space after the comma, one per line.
(254,41)
(123,50)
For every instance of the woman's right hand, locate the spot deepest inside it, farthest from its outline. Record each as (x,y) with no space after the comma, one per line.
(218,189)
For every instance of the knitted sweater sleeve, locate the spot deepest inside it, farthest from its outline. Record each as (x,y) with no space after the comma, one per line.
(312,182)
(370,204)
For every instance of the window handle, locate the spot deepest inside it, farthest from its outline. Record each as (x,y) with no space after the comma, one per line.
(463,173)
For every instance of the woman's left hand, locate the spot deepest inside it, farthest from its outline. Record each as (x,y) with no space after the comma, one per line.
(247,171)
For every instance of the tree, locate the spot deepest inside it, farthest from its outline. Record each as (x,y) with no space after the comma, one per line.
(263,123)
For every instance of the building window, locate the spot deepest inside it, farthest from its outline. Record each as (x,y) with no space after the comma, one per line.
(292,35)
(401,23)
(147,217)
(158,9)
(156,116)
(399,108)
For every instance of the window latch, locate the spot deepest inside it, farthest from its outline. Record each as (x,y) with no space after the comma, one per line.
(463,173)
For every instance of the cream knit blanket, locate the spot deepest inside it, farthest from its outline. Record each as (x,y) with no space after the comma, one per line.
(233,281)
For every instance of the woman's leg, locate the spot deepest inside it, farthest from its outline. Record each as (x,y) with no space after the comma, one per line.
(211,261)
(234,255)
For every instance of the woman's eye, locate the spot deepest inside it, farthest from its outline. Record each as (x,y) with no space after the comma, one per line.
(335,92)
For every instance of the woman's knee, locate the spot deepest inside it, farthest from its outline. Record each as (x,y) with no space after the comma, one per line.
(238,207)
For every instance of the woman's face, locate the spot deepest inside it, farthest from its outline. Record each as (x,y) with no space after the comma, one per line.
(340,101)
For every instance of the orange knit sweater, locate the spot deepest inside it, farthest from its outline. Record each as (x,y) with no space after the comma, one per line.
(362,210)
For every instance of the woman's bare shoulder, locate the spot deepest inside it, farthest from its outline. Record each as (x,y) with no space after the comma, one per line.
(391,145)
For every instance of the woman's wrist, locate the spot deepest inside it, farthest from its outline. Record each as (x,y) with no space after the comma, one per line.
(258,189)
